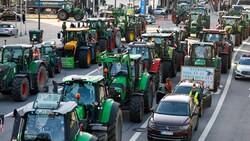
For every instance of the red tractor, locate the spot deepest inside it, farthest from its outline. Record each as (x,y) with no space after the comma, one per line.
(224,48)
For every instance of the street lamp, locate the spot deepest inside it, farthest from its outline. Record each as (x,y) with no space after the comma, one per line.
(25,16)
(21,17)
(39,14)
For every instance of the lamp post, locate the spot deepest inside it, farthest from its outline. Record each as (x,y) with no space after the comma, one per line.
(16,18)
(39,12)
(25,12)
(21,17)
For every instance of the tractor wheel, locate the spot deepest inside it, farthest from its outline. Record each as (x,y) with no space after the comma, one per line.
(148,97)
(84,60)
(237,39)
(166,70)
(174,18)
(63,15)
(59,66)
(97,52)
(224,63)
(103,44)
(20,88)
(179,60)
(174,64)
(241,38)
(115,129)
(158,77)
(101,135)
(230,59)
(52,72)
(118,37)
(78,17)
(40,79)
(130,36)
(216,81)
(136,109)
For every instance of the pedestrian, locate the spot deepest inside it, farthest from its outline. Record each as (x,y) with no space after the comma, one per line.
(23,17)
(194,94)
(166,14)
(169,85)
(64,27)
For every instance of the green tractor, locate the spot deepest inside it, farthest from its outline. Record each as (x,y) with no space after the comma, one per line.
(181,13)
(180,43)
(232,24)
(50,119)
(49,53)
(129,25)
(194,24)
(104,31)
(97,111)
(165,49)
(77,48)
(20,73)
(247,12)
(201,54)
(205,15)
(127,83)
(69,10)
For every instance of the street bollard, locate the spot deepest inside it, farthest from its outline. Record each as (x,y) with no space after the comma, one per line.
(5,42)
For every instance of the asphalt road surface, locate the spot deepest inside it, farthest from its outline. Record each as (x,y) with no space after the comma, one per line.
(227,119)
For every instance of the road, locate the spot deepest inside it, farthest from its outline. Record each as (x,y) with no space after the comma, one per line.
(230,124)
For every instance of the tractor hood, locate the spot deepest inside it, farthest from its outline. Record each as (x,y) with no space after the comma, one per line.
(194,23)
(228,29)
(70,45)
(117,88)
(200,62)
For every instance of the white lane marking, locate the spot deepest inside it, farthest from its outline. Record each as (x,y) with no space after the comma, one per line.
(249,95)
(222,98)
(19,109)
(137,134)
(249,89)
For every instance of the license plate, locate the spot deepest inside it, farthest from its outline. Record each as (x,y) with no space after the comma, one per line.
(166,133)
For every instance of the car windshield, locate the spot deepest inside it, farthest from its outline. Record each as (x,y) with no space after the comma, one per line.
(140,50)
(185,89)
(45,125)
(9,55)
(212,38)
(173,108)
(5,25)
(203,52)
(244,61)
(229,21)
(86,91)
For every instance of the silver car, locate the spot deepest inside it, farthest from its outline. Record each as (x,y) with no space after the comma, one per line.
(243,67)
(8,29)
(159,11)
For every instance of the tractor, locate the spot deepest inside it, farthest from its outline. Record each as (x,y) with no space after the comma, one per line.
(205,15)
(77,48)
(143,25)
(181,13)
(48,52)
(69,10)
(95,108)
(223,48)
(247,12)
(127,83)
(179,40)
(104,31)
(232,25)
(194,24)
(50,119)
(201,54)
(165,49)
(150,63)
(20,73)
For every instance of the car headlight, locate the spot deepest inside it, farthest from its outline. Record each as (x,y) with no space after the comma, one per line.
(151,124)
(184,127)
(238,70)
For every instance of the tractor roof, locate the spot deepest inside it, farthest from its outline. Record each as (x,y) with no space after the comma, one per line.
(18,46)
(172,29)
(100,19)
(142,44)
(157,35)
(214,31)
(84,78)
(50,102)
(231,17)
(202,43)
(48,43)
(85,29)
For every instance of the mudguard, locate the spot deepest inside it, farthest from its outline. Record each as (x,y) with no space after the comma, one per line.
(34,66)
(155,65)
(84,136)
(226,49)
(115,30)
(80,110)
(145,77)
(16,126)
(109,107)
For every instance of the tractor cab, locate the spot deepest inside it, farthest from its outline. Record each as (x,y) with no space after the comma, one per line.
(48,118)
(213,35)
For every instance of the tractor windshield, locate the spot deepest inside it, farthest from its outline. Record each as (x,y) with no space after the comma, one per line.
(117,67)
(212,38)
(203,52)
(10,55)
(67,6)
(194,17)
(40,126)
(46,51)
(74,36)
(199,10)
(140,50)
(229,21)
(86,91)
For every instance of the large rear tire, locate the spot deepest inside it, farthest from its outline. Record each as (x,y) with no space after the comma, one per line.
(40,79)
(59,66)
(148,98)
(78,17)
(101,135)
(115,129)
(166,70)
(84,60)
(103,44)
(237,39)
(174,64)
(224,63)
(20,88)
(136,109)
(63,15)
(179,60)
(130,36)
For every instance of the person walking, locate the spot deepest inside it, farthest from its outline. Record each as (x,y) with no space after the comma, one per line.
(169,85)
(166,15)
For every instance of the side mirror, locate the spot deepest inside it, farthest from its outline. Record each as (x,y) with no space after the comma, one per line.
(45,89)
(236,62)
(152,110)
(58,35)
